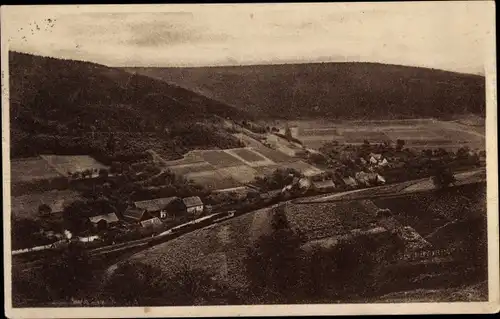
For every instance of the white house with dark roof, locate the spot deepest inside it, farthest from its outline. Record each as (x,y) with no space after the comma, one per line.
(194,205)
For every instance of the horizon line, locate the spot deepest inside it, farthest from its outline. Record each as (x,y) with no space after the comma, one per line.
(249,64)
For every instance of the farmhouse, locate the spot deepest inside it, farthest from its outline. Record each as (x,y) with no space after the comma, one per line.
(103,221)
(164,208)
(136,215)
(350,182)
(324,186)
(152,222)
(194,205)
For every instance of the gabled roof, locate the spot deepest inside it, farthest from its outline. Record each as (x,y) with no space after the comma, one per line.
(349,181)
(134,213)
(324,184)
(151,222)
(57,206)
(377,156)
(110,218)
(156,204)
(192,201)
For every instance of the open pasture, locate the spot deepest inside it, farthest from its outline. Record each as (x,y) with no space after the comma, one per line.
(220,159)
(247,155)
(319,132)
(31,169)
(273,155)
(26,206)
(190,157)
(243,174)
(191,168)
(361,136)
(212,180)
(418,133)
(73,163)
(304,168)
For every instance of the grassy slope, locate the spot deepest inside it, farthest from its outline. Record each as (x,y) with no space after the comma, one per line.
(207,247)
(64,97)
(333,90)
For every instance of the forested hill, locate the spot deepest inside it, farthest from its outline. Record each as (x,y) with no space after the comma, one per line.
(55,103)
(333,90)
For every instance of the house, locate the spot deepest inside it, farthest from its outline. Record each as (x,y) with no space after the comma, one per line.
(136,215)
(194,205)
(304,183)
(104,221)
(152,222)
(324,186)
(350,182)
(380,179)
(369,179)
(376,156)
(384,162)
(164,208)
(270,194)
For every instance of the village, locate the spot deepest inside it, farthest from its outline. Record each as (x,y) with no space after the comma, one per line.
(123,201)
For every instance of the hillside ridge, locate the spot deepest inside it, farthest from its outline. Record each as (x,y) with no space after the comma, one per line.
(346,90)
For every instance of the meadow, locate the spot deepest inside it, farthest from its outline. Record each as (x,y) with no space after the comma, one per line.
(220,169)
(26,206)
(417,133)
(73,163)
(31,169)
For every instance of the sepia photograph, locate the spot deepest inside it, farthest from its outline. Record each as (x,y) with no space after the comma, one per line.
(249,159)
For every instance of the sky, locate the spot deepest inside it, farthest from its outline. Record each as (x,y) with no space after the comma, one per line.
(445,35)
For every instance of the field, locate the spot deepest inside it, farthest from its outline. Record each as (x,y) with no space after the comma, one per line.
(26,206)
(31,169)
(243,174)
(249,155)
(418,133)
(220,159)
(74,163)
(212,179)
(220,169)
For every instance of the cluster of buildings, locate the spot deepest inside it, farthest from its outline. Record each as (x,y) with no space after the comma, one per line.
(153,212)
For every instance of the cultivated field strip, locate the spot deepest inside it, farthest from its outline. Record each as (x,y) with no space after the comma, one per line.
(32,169)
(421,134)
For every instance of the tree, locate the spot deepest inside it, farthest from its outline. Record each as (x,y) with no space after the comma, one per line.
(44,209)
(317,158)
(272,262)
(133,284)
(288,132)
(103,173)
(400,144)
(68,274)
(463,152)
(442,177)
